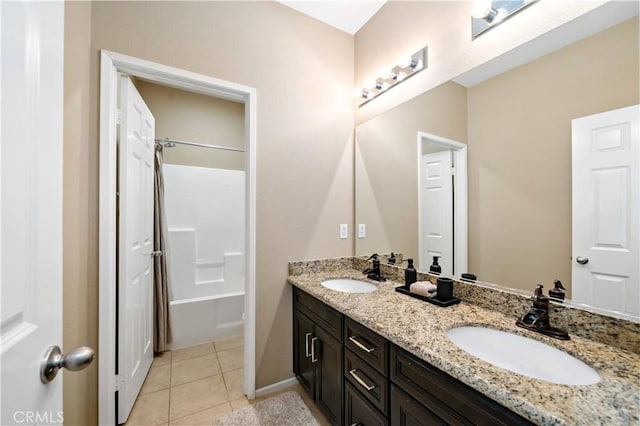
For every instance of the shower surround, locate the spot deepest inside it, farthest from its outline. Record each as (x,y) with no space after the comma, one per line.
(205,216)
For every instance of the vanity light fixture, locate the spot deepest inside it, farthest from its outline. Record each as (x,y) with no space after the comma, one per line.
(486,14)
(398,73)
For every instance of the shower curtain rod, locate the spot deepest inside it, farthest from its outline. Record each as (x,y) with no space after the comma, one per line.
(168,143)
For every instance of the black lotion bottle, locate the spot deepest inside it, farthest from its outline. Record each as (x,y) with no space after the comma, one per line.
(435,268)
(410,274)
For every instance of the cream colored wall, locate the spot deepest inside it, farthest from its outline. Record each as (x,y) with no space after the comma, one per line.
(80,212)
(387,166)
(196,118)
(303,72)
(403,27)
(520,154)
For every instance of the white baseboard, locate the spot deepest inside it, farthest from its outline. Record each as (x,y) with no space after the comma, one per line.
(276,387)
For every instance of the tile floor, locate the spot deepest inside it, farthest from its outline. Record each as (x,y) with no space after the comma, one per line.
(196,385)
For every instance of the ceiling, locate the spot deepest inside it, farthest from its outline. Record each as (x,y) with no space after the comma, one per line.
(346,15)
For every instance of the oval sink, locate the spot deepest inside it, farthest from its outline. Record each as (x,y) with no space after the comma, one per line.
(523,355)
(349,286)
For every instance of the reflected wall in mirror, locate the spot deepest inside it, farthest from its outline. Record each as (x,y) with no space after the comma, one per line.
(517,127)
(387,152)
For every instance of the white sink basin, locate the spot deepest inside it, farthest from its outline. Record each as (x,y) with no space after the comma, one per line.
(349,286)
(523,355)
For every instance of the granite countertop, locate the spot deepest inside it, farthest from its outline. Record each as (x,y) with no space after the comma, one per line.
(420,328)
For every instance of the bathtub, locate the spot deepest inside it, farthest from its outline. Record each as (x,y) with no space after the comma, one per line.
(205,319)
(207,295)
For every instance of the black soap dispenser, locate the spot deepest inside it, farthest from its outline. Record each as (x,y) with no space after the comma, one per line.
(558,292)
(435,268)
(410,274)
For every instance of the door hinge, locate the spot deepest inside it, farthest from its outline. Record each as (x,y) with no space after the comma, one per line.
(119,382)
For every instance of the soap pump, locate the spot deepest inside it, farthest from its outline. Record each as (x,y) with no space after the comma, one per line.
(435,268)
(410,274)
(558,291)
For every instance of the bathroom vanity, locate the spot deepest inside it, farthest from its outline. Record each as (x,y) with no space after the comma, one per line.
(383,358)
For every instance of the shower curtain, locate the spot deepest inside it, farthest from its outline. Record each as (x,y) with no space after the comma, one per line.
(162,332)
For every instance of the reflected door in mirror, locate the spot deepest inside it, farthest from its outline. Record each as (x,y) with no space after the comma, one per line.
(606,220)
(436,210)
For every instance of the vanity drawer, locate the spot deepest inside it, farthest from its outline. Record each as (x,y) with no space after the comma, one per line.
(323,315)
(446,397)
(368,345)
(372,384)
(358,411)
(405,411)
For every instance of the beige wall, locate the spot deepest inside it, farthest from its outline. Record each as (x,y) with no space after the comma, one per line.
(520,154)
(196,118)
(387,166)
(303,73)
(80,210)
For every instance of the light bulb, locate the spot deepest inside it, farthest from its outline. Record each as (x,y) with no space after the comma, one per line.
(404,62)
(481,8)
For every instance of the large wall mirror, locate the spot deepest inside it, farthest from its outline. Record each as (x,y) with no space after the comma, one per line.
(516,128)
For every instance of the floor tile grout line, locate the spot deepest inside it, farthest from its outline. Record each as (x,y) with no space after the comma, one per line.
(169,362)
(200,411)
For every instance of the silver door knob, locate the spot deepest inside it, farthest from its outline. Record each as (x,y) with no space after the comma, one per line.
(582,260)
(54,360)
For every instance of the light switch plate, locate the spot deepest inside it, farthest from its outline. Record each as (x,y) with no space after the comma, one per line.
(344,231)
(362,230)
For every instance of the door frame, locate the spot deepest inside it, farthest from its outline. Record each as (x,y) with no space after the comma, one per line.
(111,64)
(460,214)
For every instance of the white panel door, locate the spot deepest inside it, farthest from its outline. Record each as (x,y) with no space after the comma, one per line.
(436,211)
(32,40)
(606,216)
(135,280)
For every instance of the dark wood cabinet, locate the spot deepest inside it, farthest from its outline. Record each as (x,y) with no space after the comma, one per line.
(357,411)
(329,386)
(372,385)
(317,354)
(365,380)
(405,411)
(369,346)
(366,368)
(302,365)
(445,397)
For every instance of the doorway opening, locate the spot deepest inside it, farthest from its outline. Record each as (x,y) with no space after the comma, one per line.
(442,204)
(242,265)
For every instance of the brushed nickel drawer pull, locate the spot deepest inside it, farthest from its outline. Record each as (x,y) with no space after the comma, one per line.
(306,344)
(313,350)
(360,380)
(356,424)
(360,345)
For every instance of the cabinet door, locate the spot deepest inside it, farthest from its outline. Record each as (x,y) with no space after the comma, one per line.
(302,365)
(329,385)
(405,411)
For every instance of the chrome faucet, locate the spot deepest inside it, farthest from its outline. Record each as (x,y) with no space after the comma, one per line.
(537,319)
(374,272)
